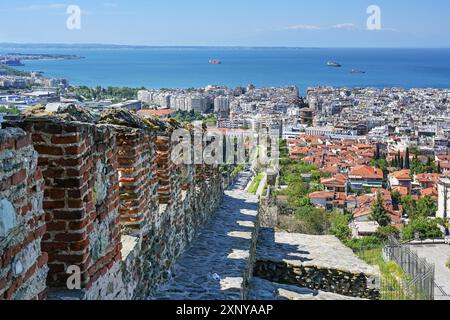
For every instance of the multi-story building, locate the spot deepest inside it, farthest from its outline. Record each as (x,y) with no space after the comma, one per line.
(444,198)
(222,105)
(364,177)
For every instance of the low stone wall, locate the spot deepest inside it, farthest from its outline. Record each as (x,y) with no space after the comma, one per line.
(315,262)
(314,277)
(268,210)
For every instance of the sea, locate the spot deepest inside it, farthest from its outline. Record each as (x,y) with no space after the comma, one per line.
(187,67)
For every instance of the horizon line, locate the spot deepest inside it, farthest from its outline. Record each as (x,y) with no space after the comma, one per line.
(115,45)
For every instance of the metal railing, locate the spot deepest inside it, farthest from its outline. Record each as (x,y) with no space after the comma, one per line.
(419,281)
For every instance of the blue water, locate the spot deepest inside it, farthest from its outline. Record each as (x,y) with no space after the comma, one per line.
(189,67)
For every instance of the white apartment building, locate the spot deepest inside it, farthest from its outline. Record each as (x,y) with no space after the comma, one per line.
(197,103)
(221,104)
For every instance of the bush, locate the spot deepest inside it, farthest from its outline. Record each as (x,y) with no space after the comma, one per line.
(383,233)
(448,263)
(424,227)
(9,110)
(314,221)
(339,225)
(364,243)
(255,184)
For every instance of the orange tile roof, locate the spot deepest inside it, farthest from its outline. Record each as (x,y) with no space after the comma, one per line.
(404,191)
(430,192)
(321,194)
(331,169)
(427,177)
(366,172)
(402,175)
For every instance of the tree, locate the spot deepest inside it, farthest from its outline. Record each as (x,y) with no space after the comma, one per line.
(396,198)
(407,161)
(315,221)
(379,212)
(383,233)
(339,225)
(426,207)
(423,208)
(423,227)
(377,153)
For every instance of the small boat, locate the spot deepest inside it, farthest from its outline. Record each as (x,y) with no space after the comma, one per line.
(215,61)
(334,64)
(358,71)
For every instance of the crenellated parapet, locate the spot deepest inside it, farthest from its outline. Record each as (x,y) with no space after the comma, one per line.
(114,208)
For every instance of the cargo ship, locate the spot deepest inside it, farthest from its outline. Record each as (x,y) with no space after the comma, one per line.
(334,64)
(215,61)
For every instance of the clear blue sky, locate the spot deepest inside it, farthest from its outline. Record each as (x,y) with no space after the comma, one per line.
(316,23)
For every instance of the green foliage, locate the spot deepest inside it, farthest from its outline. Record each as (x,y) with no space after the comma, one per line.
(14,72)
(315,221)
(291,172)
(396,198)
(418,167)
(339,225)
(424,227)
(382,164)
(255,184)
(424,207)
(379,212)
(210,120)
(237,169)
(365,243)
(391,274)
(11,110)
(448,263)
(383,233)
(407,160)
(284,149)
(189,116)
(116,94)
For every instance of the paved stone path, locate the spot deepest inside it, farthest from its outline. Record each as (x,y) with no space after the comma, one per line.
(437,254)
(213,267)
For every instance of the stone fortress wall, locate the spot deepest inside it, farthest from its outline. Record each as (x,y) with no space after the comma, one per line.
(98,192)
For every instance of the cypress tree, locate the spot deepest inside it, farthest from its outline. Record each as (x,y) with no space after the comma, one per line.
(407,161)
(379,212)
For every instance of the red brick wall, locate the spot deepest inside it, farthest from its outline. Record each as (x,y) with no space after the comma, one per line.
(138,177)
(22,263)
(82,227)
(105,183)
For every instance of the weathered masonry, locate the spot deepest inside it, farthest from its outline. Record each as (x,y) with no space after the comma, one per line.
(23,264)
(97,194)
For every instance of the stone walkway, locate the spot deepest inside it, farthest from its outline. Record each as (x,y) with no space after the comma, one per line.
(213,267)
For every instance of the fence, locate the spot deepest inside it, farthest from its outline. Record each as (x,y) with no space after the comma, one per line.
(418,284)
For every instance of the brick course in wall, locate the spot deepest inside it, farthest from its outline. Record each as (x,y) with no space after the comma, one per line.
(81,197)
(138,180)
(23,265)
(115,205)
